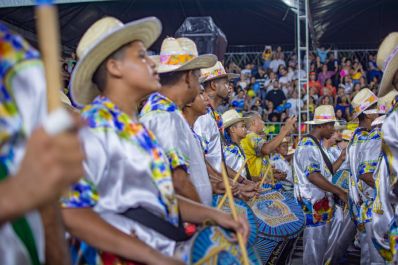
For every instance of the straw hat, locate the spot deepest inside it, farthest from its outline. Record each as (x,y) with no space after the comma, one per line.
(66,101)
(362,101)
(231,117)
(387,61)
(378,120)
(103,38)
(215,72)
(346,135)
(338,126)
(181,55)
(385,103)
(323,114)
(291,150)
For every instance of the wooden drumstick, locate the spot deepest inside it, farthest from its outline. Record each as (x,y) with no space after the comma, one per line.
(234,214)
(48,36)
(260,184)
(221,203)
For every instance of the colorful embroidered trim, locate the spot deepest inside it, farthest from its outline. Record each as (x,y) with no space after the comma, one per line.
(103,114)
(176,59)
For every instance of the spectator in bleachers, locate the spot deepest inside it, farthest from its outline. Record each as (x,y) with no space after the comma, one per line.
(313,83)
(322,53)
(295,104)
(325,74)
(277,61)
(276,95)
(328,88)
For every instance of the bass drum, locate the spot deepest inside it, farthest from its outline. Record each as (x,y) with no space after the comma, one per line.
(213,245)
(242,208)
(280,221)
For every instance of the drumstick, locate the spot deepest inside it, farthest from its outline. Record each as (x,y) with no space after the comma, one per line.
(234,213)
(264,176)
(211,254)
(221,203)
(48,36)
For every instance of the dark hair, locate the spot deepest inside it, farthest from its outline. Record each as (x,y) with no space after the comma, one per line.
(99,76)
(172,78)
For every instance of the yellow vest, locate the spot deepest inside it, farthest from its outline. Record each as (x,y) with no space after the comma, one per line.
(256,161)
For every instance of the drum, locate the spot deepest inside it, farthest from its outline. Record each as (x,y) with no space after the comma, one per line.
(242,209)
(279,216)
(213,245)
(341,179)
(280,221)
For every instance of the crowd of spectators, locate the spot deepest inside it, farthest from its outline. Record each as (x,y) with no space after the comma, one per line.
(271,88)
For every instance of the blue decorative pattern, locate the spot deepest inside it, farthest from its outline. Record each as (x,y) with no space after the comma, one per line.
(279,216)
(212,237)
(241,206)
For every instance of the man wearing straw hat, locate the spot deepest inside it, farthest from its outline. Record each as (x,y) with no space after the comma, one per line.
(385,228)
(191,113)
(210,126)
(281,164)
(35,167)
(313,175)
(179,68)
(343,230)
(138,215)
(234,132)
(362,153)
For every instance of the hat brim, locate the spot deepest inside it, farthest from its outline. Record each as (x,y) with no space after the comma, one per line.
(318,122)
(234,121)
(229,76)
(200,62)
(388,76)
(291,151)
(83,89)
(376,111)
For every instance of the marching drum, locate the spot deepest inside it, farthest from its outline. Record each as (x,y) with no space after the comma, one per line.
(243,209)
(280,220)
(213,245)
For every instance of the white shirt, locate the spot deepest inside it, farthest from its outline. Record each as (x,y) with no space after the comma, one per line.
(297,104)
(274,65)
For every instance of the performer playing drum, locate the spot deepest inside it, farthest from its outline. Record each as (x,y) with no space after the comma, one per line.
(313,175)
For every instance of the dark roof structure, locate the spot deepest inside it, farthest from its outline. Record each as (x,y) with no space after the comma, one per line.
(348,24)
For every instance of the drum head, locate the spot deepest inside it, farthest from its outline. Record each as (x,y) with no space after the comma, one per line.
(216,245)
(242,209)
(279,216)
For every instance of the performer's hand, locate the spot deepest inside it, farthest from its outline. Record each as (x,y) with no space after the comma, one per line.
(343,195)
(240,226)
(219,187)
(343,155)
(246,196)
(50,164)
(279,175)
(290,124)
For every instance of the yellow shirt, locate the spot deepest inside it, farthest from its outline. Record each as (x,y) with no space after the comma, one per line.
(256,161)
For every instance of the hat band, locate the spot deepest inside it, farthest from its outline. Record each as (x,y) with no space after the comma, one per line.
(366,104)
(175,59)
(390,57)
(214,73)
(324,117)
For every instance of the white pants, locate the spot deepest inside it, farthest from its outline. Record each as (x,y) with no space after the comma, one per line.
(342,234)
(369,254)
(315,241)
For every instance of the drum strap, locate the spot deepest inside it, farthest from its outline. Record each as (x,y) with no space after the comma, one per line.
(157,223)
(324,155)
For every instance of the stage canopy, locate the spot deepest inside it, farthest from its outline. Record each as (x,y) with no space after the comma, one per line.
(349,24)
